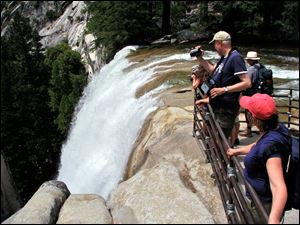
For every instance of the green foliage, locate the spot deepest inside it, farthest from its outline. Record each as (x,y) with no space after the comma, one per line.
(289,25)
(117,24)
(178,10)
(67,82)
(254,20)
(38,97)
(29,139)
(238,16)
(52,14)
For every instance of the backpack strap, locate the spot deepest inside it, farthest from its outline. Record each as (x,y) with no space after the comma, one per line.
(257,74)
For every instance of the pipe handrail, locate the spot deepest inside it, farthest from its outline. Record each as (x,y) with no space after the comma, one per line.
(208,132)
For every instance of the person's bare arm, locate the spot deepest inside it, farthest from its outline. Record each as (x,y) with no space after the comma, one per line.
(239,151)
(208,66)
(278,188)
(202,102)
(196,82)
(244,84)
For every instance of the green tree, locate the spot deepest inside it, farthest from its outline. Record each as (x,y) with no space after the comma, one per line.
(67,81)
(289,22)
(119,23)
(259,21)
(29,138)
(166,28)
(238,17)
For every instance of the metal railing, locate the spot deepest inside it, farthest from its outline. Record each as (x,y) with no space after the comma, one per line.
(228,172)
(290,102)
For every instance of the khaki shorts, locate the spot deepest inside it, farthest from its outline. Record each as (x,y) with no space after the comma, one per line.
(226,119)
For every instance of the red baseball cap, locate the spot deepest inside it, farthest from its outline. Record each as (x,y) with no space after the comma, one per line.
(261,106)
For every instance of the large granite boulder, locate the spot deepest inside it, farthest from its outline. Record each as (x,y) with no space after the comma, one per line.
(44,205)
(84,209)
(158,195)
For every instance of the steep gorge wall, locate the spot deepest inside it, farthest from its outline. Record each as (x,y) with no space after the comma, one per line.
(69,26)
(10,201)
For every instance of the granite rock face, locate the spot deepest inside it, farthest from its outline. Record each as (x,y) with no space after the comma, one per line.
(84,209)
(44,205)
(158,195)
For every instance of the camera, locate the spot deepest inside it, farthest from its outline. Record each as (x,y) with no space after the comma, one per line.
(207,86)
(196,52)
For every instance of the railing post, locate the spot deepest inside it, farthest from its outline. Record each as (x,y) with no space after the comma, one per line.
(290,108)
(224,168)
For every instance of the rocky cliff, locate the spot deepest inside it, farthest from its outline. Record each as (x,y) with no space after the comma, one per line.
(10,200)
(58,21)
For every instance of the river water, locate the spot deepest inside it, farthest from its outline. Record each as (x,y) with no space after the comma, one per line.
(122,94)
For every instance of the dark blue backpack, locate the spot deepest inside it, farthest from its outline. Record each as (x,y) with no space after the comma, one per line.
(292,178)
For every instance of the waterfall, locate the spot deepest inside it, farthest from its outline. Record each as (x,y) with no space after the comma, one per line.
(106,123)
(109,116)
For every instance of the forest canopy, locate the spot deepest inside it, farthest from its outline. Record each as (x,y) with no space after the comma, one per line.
(120,23)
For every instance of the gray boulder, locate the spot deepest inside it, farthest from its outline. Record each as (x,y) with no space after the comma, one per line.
(158,195)
(84,209)
(44,205)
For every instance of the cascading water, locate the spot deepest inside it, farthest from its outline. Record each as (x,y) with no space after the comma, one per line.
(108,118)
(106,123)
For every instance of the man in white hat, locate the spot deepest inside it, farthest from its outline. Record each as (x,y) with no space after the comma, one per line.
(230,76)
(253,71)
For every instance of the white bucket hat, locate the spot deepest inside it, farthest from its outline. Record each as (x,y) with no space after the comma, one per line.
(252,55)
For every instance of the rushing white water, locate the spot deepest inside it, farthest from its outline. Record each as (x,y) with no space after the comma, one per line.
(108,118)
(105,125)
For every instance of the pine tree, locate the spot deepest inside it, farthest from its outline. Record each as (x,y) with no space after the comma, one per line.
(29,138)
(117,24)
(67,82)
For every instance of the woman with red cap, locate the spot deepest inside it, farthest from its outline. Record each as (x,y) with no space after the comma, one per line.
(266,159)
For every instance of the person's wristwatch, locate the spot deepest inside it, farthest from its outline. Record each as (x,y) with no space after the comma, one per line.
(226,89)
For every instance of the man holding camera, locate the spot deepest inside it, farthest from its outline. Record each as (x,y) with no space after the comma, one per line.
(228,78)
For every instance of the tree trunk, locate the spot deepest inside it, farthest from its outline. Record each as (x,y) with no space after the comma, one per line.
(166,28)
(266,15)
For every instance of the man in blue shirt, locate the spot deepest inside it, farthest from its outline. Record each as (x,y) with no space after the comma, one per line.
(230,76)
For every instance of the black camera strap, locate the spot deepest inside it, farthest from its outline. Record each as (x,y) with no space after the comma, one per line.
(218,64)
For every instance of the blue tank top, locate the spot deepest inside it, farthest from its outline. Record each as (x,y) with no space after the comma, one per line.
(274,143)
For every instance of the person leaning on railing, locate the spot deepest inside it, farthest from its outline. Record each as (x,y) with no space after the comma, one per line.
(230,76)
(267,158)
(199,74)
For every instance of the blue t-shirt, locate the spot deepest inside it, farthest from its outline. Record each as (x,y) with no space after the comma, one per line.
(234,66)
(274,143)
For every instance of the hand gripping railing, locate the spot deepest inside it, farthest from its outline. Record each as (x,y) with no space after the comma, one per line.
(228,172)
(210,136)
